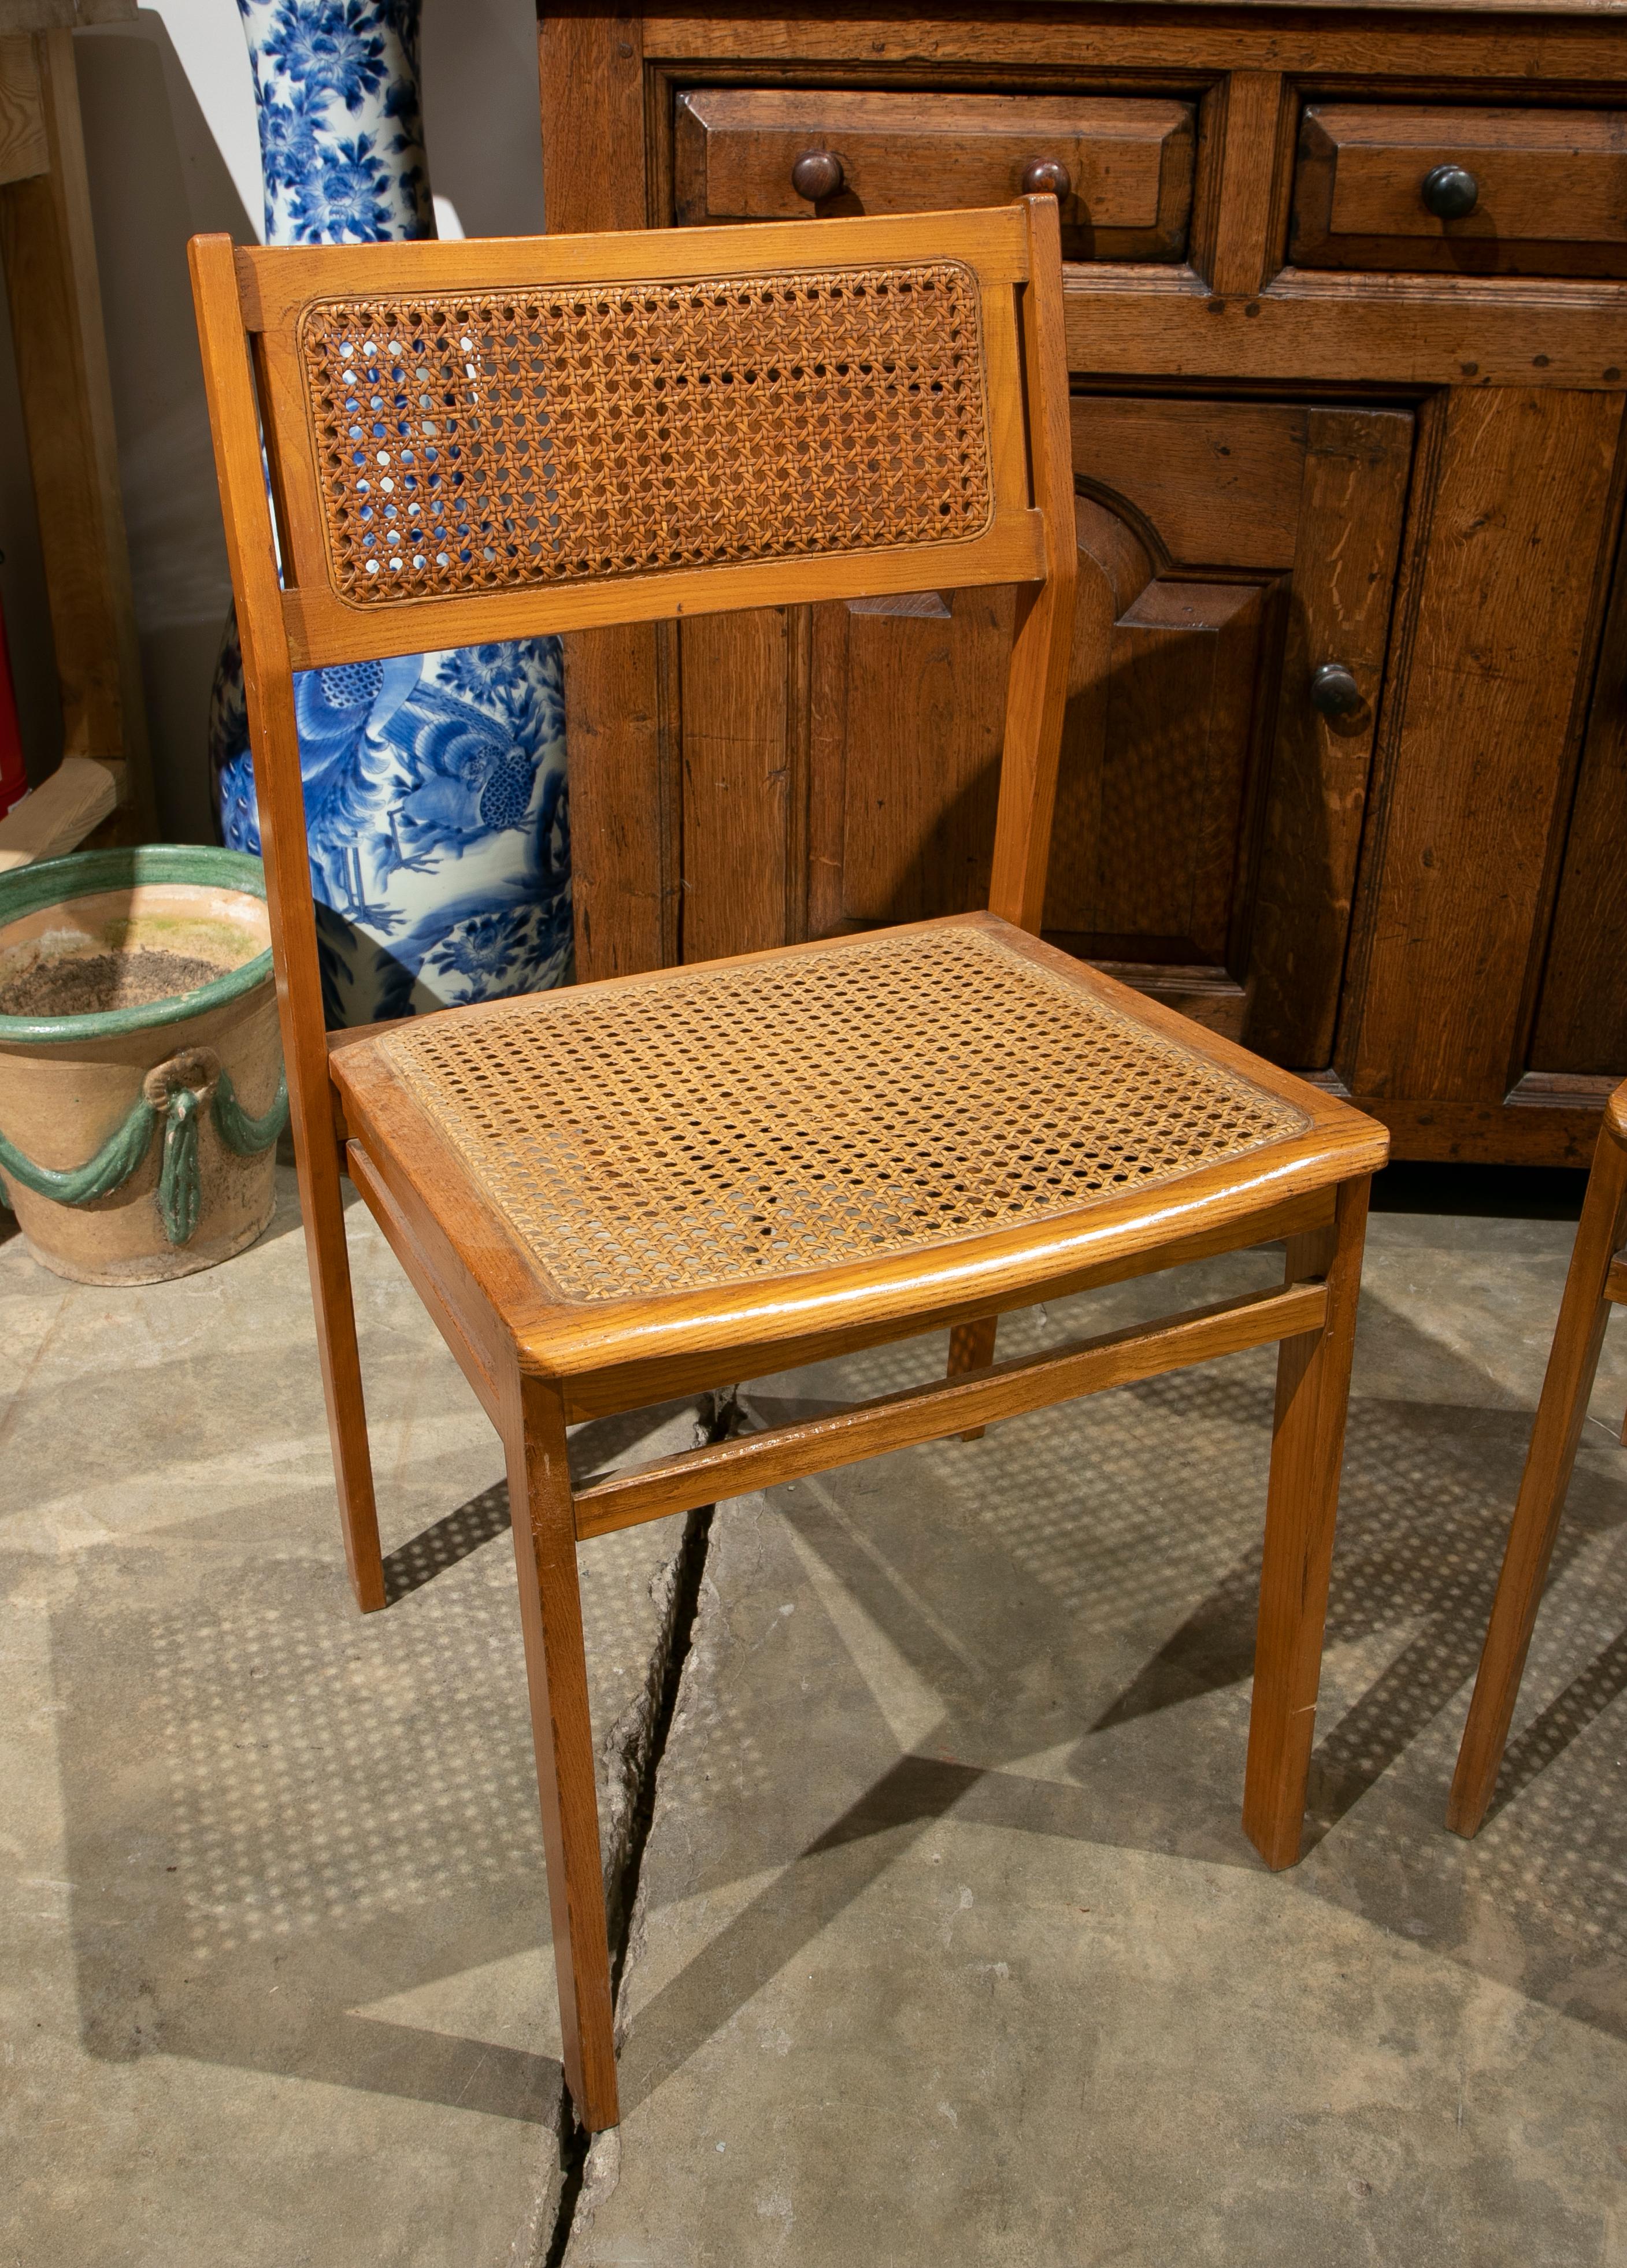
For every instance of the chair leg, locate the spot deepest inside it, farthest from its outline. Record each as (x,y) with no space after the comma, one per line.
(971,1347)
(1578,1335)
(329,1260)
(1313,1394)
(550,1606)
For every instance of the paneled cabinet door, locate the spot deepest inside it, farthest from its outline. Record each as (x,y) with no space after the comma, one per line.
(1581,1031)
(1236,566)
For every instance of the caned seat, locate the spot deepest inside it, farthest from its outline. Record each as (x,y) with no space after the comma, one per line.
(690,1177)
(951,1092)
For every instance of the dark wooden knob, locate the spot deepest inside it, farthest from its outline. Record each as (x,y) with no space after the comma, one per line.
(816,175)
(1044,177)
(1450,191)
(1333,691)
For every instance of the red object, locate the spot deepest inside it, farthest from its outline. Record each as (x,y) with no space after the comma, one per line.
(13,778)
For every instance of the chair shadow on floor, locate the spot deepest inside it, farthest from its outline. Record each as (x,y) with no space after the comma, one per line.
(346,1808)
(1093,1538)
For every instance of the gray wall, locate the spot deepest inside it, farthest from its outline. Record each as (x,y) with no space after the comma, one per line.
(170,142)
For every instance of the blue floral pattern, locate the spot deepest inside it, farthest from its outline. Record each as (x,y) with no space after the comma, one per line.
(436,803)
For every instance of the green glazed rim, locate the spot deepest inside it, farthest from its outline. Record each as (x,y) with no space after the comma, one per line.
(84,874)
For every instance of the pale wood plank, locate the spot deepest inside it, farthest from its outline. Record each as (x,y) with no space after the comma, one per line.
(24,149)
(59,813)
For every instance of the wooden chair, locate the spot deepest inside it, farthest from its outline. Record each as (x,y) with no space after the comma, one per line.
(1597,1279)
(667,1182)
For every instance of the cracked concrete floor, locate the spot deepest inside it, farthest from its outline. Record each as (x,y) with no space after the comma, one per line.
(274,1971)
(948,1949)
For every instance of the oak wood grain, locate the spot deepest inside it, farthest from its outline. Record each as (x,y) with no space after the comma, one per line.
(1503,603)
(24,146)
(1514,48)
(1581,1015)
(1347,543)
(1552,189)
(1129,162)
(1320,329)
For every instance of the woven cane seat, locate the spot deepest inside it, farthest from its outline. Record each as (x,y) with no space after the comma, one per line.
(842,1104)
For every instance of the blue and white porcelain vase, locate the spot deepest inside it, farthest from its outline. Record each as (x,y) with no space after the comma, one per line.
(435,785)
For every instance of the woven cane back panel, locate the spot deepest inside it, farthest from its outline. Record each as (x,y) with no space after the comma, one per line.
(798,1113)
(496,442)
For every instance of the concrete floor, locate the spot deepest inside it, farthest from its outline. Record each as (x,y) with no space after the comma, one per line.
(948,1945)
(274,1971)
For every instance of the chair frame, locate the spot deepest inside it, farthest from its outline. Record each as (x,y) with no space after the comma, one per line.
(539,1363)
(1595,1281)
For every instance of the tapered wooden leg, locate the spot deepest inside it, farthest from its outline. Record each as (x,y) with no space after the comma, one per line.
(1574,1357)
(550,1607)
(329,1258)
(1307,1444)
(971,1347)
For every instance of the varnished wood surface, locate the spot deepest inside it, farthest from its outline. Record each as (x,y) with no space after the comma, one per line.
(1572,1361)
(267,684)
(623,1351)
(1319,328)
(562,1732)
(1552,189)
(1523,46)
(1313,1394)
(1129,162)
(1492,632)
(965,1402)
(1288,1158)
(1581,1013)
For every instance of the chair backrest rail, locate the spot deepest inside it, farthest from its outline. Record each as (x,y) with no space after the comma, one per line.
(476,441)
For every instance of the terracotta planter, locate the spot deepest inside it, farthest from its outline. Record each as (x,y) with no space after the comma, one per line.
(139,1143)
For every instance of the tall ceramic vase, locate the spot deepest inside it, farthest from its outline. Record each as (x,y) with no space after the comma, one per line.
(435,785)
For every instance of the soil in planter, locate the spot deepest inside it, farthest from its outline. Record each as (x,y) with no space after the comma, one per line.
(89,984)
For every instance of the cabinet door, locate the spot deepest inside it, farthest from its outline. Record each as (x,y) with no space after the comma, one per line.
(1208,815)
(1581,1031)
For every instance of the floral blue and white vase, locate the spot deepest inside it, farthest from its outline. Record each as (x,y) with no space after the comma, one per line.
(435,792)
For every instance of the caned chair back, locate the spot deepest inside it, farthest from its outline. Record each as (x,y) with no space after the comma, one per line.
(476,441)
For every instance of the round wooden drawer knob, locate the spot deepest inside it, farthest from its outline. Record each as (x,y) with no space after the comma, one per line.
(816,175)
(1333,691)
(1043,177)
(1451,192)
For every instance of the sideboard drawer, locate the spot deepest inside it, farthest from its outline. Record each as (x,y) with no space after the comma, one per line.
(1481,192)
(1121,169)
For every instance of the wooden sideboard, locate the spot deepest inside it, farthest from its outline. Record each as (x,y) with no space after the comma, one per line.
(1347,314)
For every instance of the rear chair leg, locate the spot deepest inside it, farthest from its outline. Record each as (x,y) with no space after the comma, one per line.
(329,1258)
(971,1347)
(1313,1393)
(550,1608)
(1574,1357)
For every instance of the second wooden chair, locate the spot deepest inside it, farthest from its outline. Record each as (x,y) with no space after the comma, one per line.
(1596,1281)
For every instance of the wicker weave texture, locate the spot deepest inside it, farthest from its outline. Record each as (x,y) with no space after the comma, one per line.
(490,442)
(838,1106)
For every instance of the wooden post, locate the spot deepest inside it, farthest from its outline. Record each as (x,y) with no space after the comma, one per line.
(50,256)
